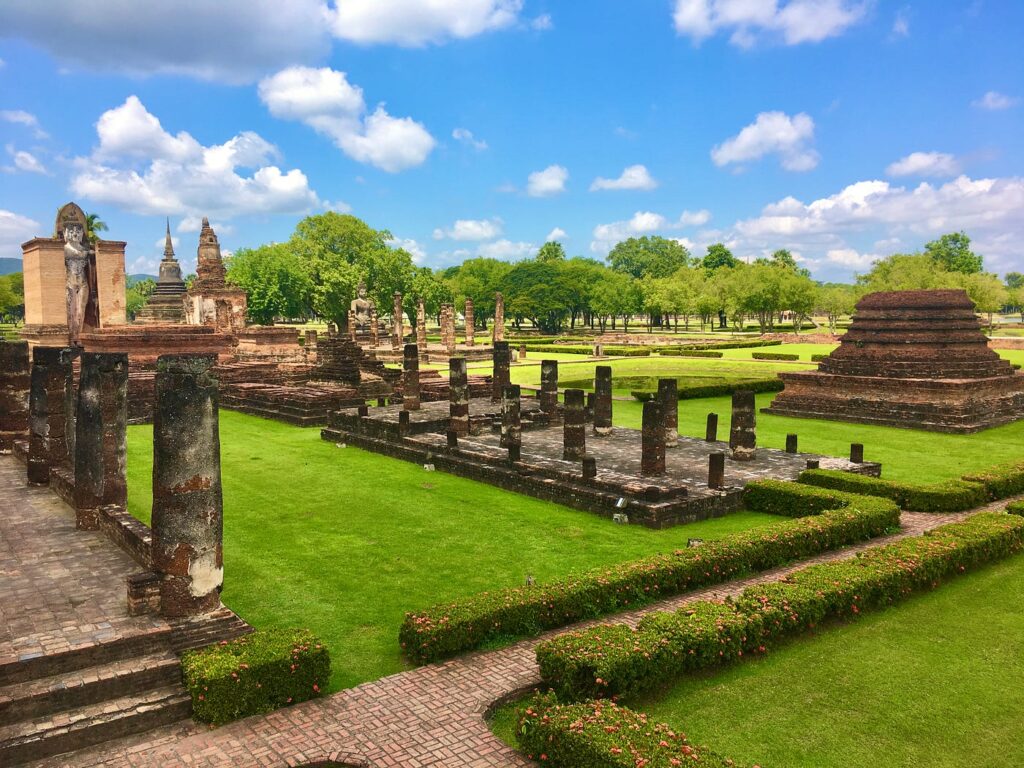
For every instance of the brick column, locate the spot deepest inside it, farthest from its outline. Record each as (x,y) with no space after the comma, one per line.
(351,326)
(549,386)
(421,329)
(374,327)
(448,328)
(603,400)
(791,443)
(310,339)
(711,432)
(574,428)
(501,376)
(652,439)
(187,502)
(668,393)
(397,322)
(15,378)
(51,412)
(470,324)
(498,333)
(716,470)
(411,378)
(101,436)
(511,423)
(742,436)
(458,394)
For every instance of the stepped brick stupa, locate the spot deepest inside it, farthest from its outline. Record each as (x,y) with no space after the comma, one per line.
(914,359)
(167,303)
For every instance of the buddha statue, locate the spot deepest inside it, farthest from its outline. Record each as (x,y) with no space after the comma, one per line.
(76,262)
(362,308)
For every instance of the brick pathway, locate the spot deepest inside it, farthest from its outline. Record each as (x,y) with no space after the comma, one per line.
(430,716)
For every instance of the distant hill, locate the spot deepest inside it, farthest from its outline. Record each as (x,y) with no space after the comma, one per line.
(9,265)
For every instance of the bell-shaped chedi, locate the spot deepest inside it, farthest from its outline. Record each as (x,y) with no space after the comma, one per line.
(914,359)
(167,303)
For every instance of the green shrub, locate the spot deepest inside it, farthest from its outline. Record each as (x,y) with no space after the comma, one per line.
(614,660)
(1001,481)
(1015,508)
(695,391)
(948,496)
(680,352)
(774,356)
(601,734)
(712,345)
(446,630)
(819,358)
(255,674)
(609,350)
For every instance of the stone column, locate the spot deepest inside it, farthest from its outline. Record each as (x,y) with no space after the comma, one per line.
(101,436)
(742,437)
(411,378)
(187,500)
(791,443)
(716,470)
(310,340)
(603,400)
(498,333)
(574,428)
(711,432)
(448,328)
(15,378)
(511,424)
(458,397)
(652,439)
(549,386)
(857,453)
(470,324)
(374,327)
(421,330)
(51,412)
(397,323)
(351,326)
(501,376)
(668,393)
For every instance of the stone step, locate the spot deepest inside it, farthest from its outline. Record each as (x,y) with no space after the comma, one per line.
(223,624)
(92,724)
(44,696)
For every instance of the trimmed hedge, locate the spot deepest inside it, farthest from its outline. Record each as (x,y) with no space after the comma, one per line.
(774,356)
(831,521)
(1015,508)
(601,734)
(712,345)
(696,391)
(614,660)
(255,674)
(948,496)
(570,349)
(674,352)
(1001,481)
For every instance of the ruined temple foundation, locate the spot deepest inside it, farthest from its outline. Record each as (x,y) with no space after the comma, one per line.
(913,359)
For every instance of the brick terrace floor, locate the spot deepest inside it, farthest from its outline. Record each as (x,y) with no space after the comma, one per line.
(430,716)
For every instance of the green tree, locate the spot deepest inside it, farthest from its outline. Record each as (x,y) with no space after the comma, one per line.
(1014,280)
(432,288)
(616,295)
(799,296)
(137,295)
(836,301)
(648,256)
(93,226)
(907,272)
(276,280)
(538,291)
(12,296)
(551,251)
(718,256)
(987,292)
(582,275)
(478,279)
(953,253)
(784,258)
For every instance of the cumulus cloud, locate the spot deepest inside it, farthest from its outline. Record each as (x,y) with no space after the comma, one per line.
(415,250)
(550,181)
(465,136)
(506,250)
(633,177)
(901,24)
(556,234)
(542,23)
(748,21)
(15,229)
(416,23)
(140,167)
(21,117)
(925,164)
(995,101)
(772,133)
(605,236)
(23,161)
(470,229)
(850,258)
(324,100)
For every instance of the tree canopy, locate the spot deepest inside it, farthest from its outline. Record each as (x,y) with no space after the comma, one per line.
(648,256)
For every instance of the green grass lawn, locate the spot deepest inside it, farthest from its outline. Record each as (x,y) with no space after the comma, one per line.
(345,542)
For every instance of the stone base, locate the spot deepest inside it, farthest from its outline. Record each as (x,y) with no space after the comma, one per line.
(144,343)
(270,343)
(960,406)
(302,406)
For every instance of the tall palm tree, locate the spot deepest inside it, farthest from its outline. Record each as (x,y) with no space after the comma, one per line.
(94,224)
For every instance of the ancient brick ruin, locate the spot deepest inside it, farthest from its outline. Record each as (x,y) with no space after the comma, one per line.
(914,359)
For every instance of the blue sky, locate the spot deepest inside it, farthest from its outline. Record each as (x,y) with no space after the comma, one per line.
(841,129)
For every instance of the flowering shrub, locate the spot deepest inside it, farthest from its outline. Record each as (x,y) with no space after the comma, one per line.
(1000,481)
(600,734)
(255,674)
(833,520)
(613,660)
(948,496)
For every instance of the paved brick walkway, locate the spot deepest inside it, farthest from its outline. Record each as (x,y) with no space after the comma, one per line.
(430,716)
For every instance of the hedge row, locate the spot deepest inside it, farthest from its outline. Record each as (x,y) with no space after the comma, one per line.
(819,358)
(569,349)
(614,660)
(830,520)
(695,391)
(947,496)
(1016,508)
(682,352)
(601,734)
(1001,481)
(774,356)
(255,674)
(710,345)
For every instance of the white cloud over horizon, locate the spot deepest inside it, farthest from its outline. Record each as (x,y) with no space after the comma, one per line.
(771,133)
(550,181)
(605,236)
(938,164)
(632,177)
(470,230)
(15,229)
(751,21)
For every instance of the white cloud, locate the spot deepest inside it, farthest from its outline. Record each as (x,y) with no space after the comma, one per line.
(542,23)
(15,229)
(772,133)
(994,101)
(605,236)
(415,250)
(417,23)
(850,258)
(470,229)
(195,223)
(925,164)
(550,181)
(795,22)
(465,136)
(161,242)
(506,250)
(139,167)
(21,117)
(338,206)
(324,100)
(556,234)
(633,177)
(24,161)
(694,218)
(901,24)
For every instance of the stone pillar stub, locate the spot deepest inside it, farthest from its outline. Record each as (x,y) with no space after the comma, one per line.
(716,470)
(411,378)
(51,412)
(603,400)
(397,322)
(101,445)
(448,328)
(187,497)
(574,427)
(711,432)
(791,443)
(470,324)
(652,439)
(742,435)
(511,417)
(458,394)
(15,382)
(668,393)
(501,376)
(421,329)
(498,333)
(549,386)
(857,453)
